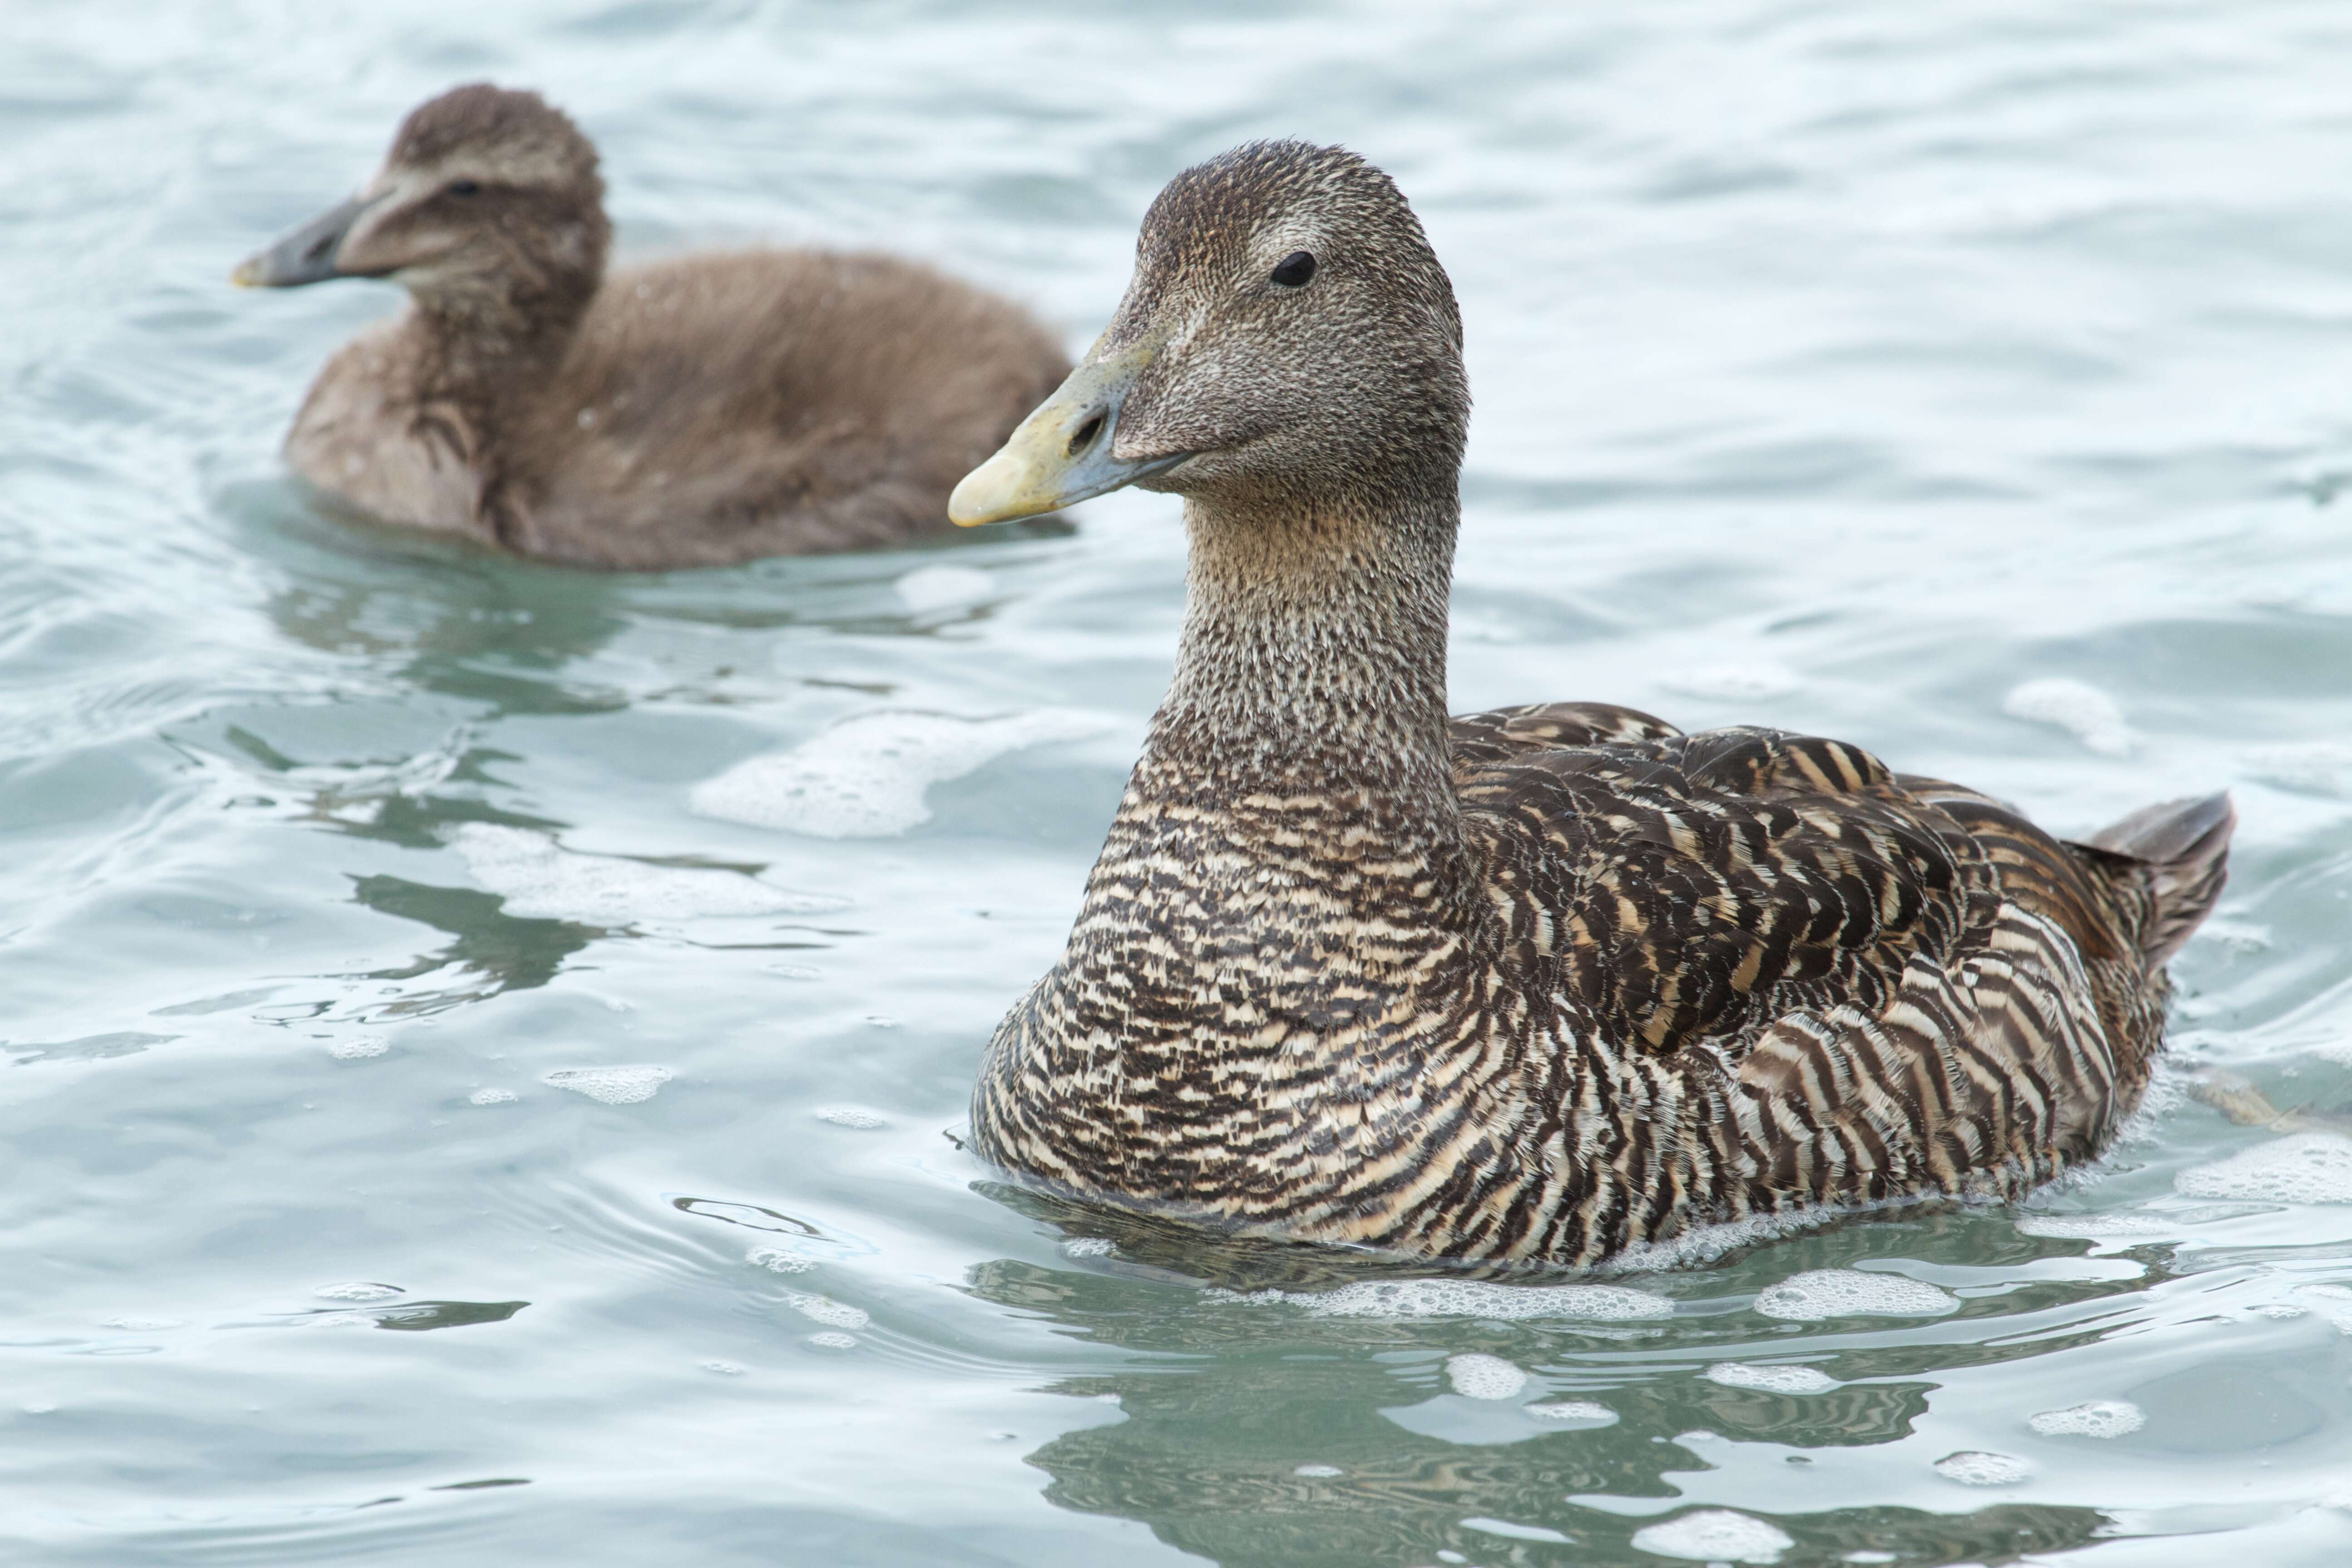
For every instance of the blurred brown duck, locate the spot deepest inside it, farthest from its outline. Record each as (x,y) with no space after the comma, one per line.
(695,412)
(1538,983)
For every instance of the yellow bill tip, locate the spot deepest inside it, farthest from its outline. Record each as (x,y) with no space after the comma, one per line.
(992,492)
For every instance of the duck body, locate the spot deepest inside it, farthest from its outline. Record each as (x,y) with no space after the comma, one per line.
(705,411)
(700,411)
(1531,986)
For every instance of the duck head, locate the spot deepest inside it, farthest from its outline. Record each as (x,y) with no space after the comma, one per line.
(1287,332)
(489,197)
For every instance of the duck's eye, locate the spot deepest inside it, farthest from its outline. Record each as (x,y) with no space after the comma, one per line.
(1294,270)
(464,188)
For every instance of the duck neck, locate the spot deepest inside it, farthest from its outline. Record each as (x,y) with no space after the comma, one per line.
(486,344)
(1306,723)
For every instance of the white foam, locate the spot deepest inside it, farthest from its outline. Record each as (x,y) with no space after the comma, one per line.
(612,1086)
(826,1311)
(723,1368)
(1972,1468)
(2091,1227)
(359,1046)
(776,1261)
(358,1290)
(2083,710)
(1563,1411)
(2098,1418)
(1820,1293)
(929,588)
(851,1116)
(142,1325)
(491,1097)
(2322,767)
(1776,1379)
(1089,1247)
(1736,682)
(2307,1168)
(1714,1535)
(540,880)
(37,1408)
(1469,1298)
(1478,1376)
(1319,1472)
(865,777)
(831,1341)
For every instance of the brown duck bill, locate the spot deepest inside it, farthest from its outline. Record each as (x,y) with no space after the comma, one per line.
(1061,454)
(307,255)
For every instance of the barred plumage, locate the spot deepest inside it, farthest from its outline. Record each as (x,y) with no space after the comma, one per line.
(1536,984)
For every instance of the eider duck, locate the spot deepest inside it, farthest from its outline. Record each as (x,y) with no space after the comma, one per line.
(1537,985)
(697,412)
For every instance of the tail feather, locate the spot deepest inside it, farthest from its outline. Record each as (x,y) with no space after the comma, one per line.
(2183,849)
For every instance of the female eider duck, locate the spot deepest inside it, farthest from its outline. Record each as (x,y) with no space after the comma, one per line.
(697,412)
(1532,984)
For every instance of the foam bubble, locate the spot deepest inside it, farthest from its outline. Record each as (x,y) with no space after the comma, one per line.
(358,1290)
(2307,1168)
(929,588)
(359,1046)
(1773,1379)
(2322,767)
(2099,1419)
(2089,714)
(826,1309)
(1973,1468)
(142,1325)
(612,1086)
(723,1368)
(850,1116)
(865,777)
(1089,1247)
(1714,1535)
(540,880)
(831,1341)
(491,1097)
(792,972)
(1583,1411)
(1736,682)
(1469,1298)
(2091,1227)
(1319,1472)
(776,1261)
(1820,1293)
(1480,1376)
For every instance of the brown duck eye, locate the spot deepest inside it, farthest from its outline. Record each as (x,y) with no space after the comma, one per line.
(464,188)
(1294,270)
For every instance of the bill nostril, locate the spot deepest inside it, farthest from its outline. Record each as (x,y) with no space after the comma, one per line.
(1084,437)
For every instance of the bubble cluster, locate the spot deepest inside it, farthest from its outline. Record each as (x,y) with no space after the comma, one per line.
(491,1097)
(1775,1378)
(1974,1468)
(611,1086)
(358,1047)
(540,880)
(358,1290)
(2091,1227)
(866,777)
(826,1311)
(1319,1472)
(2098,1418)
(1563,1412)
(1468,1299)
(724,1368)
(776,1261)
(1476,1376)
(2305,1168)
(1822,1293)
(832,1342)
(851,1116)
(2082,710)
(1715,1535)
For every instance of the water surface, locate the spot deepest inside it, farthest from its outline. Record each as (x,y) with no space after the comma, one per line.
(1965,381)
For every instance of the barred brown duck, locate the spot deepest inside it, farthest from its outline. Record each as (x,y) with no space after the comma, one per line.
(695,412)
(1532,984)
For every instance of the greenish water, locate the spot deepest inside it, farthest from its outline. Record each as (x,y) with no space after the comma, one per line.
(1845,367)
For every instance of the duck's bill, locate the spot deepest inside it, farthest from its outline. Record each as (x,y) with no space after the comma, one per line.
(305,256)
(1061,454)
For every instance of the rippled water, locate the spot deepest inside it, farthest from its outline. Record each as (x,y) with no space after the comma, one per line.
(575,976)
